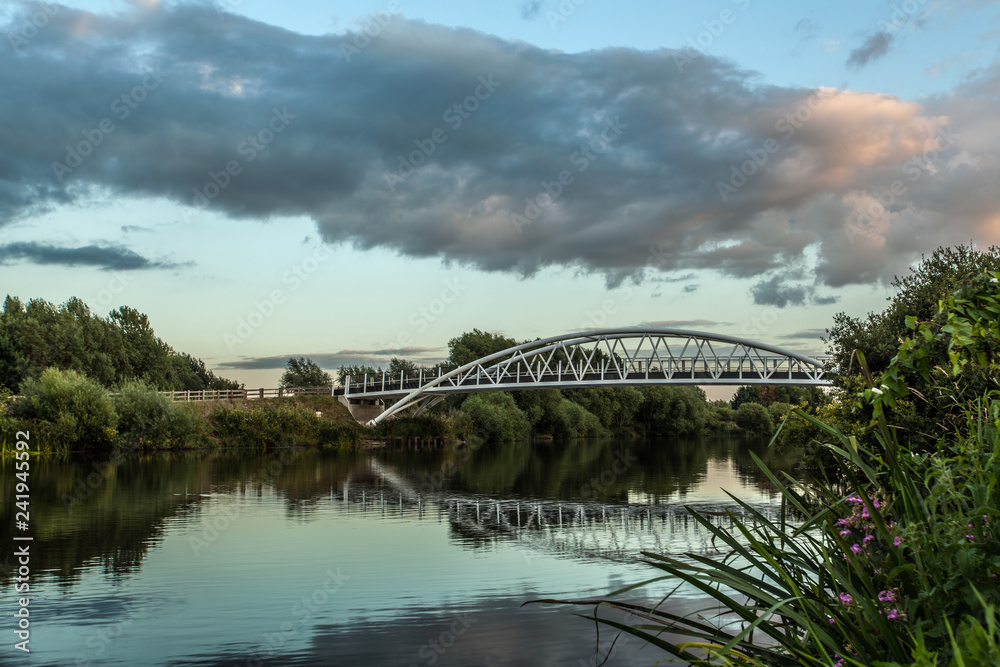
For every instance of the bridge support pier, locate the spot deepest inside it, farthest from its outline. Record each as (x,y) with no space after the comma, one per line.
(362,409)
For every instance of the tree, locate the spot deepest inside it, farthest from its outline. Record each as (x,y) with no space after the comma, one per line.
(304,372)
(754,418)
(476,344)
(748,393)
(496,417)
(878,335)
(122,347)
(357,373)
(399,366)
(672,411)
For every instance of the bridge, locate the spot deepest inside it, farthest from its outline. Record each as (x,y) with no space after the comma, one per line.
(632,357)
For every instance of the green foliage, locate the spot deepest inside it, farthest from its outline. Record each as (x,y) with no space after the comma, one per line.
(720,417)
(571,420)
(778,412)
(304,372)
(74,410)
(476,344)
(754,418)
(276,423)
(357,373)
(950,361)
(615,407)
(147,418)
(745,394)
(122,347)
(672,411)
(496,417)
(878,334)
(538,405)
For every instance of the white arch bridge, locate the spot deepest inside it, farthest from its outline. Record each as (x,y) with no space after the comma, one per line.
(600,358)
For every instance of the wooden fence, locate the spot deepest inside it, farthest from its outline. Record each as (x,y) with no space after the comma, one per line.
(247,394)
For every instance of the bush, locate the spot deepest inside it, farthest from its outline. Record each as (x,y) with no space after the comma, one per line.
(754,418)
(778,412)
(496,417)
(277,423)
(73,409)
(571,420)
(147,418)
(672,411)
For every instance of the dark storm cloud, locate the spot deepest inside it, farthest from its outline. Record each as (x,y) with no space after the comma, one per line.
(108,258)
(873,48)
(448,143)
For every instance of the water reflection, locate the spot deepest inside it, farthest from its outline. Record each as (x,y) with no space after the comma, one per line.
(207,558)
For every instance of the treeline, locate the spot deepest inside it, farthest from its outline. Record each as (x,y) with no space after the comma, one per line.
(111,351)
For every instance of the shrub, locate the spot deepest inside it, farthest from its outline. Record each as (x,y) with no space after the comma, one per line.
(496,417)
(754,418)
(73,409)
(147,418)
(277,423)
(571,420)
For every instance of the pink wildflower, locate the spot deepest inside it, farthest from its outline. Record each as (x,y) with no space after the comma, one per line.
(896,541)
(885,596)
(856,549)
(868,538)
(845,598)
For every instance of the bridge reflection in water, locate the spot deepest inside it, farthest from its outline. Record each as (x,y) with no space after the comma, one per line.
(615,531)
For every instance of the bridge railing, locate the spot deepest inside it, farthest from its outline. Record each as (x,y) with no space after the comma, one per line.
(247,394)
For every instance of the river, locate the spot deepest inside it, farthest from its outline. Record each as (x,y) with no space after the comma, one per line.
(393,556)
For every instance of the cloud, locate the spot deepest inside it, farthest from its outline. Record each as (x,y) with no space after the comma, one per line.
(874,47)
(530,9)
(777,291)
(691,288)
(334,360)
(389,147)
(808,334)
(107,258)
(807,28)
(684,324)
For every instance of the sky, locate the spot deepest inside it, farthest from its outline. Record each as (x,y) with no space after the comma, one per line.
(355,181)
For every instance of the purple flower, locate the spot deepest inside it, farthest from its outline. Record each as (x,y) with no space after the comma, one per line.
(845,532)
(832,620)
(868,538)
(845,598)
(896,541)
(885,596)
(893,615)
(856,549)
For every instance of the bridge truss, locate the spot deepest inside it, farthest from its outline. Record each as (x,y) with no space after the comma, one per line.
(601,358)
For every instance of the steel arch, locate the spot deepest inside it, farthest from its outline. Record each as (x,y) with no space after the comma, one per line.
(653,361)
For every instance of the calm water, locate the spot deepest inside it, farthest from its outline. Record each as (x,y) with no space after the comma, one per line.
(390,557)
